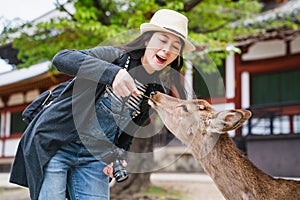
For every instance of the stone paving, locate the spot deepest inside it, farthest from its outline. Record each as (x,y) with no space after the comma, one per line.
(195,186)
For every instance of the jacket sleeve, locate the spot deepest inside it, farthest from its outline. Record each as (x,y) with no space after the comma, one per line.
(93,64)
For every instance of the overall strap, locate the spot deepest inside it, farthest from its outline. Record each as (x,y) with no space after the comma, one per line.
(126,67)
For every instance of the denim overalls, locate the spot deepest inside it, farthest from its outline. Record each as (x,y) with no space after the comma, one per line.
(113,113)
(85,154)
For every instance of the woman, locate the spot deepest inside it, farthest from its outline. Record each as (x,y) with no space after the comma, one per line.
(66,148)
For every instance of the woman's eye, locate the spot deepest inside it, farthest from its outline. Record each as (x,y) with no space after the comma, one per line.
(175,47)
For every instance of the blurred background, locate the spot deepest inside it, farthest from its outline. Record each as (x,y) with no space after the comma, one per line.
(248,56)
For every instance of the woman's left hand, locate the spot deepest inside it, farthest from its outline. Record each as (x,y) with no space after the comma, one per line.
(108,170)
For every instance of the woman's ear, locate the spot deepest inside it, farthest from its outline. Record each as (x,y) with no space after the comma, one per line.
(146,43)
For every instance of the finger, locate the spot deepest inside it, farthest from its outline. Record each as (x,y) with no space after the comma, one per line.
(132,88)
(136,93)
(121,91)
(111,170)
(122,83)
(108,170)
(124,163)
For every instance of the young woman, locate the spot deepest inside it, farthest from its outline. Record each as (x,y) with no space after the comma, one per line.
(64,150)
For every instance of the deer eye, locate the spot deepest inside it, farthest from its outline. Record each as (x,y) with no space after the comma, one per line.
(184,108)
(201,107)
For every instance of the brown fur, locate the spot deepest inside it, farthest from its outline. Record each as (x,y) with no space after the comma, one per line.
(204,130)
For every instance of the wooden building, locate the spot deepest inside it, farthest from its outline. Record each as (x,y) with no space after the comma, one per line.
(17,89)
(264,78)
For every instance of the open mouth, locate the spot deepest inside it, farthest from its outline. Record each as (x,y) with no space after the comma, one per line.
(160,60)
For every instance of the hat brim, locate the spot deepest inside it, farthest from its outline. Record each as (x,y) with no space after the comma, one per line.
(145,27)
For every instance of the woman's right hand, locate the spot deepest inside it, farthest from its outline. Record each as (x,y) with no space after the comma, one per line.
(123,84)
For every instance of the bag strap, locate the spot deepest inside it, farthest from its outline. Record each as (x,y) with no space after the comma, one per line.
(118,134)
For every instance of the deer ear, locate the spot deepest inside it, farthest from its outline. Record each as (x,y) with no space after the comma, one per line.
(233,119)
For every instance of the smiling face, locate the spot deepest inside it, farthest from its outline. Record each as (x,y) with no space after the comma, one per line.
(161,50)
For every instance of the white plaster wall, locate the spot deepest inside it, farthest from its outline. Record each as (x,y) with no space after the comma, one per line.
(295,45)
(296,123)
(16,99)
(225,106)
(7,124)
(31,95)
(265,49)
(245,77)
(188,80)
(2,125)
(229,73)
(1,147)
(10,147)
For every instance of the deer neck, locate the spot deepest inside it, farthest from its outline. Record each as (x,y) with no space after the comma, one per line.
(230,170)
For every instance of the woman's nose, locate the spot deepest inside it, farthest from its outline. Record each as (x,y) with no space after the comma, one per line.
(167,48)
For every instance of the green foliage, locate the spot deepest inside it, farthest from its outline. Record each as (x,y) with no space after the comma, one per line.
(214,18)
(162,193)
(213,23)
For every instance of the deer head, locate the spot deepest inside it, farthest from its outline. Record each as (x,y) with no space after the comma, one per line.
(203,129)
(196,120)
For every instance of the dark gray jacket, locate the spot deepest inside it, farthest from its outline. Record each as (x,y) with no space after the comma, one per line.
(56,125)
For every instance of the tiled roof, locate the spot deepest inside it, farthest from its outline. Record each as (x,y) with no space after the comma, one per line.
(14,76)
(290,10)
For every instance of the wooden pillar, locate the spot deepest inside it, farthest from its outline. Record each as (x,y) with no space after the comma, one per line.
(5,99)
(291,120)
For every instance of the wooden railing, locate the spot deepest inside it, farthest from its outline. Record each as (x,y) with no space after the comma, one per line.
(273,119)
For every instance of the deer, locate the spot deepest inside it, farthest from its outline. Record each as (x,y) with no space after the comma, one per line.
(205,131)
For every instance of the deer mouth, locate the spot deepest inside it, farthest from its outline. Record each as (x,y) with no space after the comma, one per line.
(152,102)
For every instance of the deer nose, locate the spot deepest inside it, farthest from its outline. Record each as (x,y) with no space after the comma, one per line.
(153,93)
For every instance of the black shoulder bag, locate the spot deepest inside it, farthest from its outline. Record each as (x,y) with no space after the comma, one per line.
(45,99)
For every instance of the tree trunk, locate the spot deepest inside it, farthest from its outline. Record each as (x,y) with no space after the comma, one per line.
(139,169)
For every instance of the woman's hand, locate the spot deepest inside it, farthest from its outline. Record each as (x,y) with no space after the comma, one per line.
(109,170)
(123,84)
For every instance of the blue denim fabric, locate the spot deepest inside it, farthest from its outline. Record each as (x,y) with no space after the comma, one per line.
(78,164)
(112,113)
(112,117)
(74,167)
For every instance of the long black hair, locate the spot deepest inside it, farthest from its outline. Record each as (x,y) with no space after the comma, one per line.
(171,76)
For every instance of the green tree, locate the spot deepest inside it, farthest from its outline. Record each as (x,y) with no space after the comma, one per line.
(213,24)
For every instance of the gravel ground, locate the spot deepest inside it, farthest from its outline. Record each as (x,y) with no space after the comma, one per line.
(14,194)
(194,186)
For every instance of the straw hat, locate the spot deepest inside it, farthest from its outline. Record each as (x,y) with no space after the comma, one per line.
(169,21)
